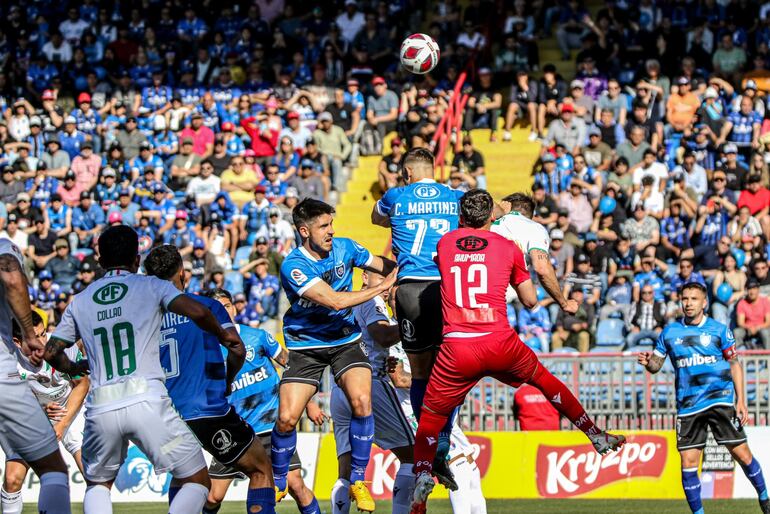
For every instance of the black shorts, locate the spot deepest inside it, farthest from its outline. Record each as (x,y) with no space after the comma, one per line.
(418,309)
(226,437)
(219,470)
(691,431)
(307,366)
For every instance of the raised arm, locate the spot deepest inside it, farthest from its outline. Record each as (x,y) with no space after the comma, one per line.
(322,294)
(378,219)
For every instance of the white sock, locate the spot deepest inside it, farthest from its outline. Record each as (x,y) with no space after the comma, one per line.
(12,503)
(461,499)
(403,487)
(340,498)
(190,498)
(54,497)
(478,503)
(97,500)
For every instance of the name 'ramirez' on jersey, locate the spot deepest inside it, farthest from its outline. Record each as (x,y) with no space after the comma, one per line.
(308,325)
(700,355)
(420,214)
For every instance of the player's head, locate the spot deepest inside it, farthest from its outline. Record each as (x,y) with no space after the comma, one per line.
(38,324)
(522,203)
(693,298)
(119,248)
(224,297)
(418,164)
(165,262)
(313,219)
(476,208)
(371,278)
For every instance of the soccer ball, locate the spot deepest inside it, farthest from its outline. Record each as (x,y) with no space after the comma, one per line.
(419,53)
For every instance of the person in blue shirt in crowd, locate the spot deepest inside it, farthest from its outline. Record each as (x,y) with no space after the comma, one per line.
(742,128)
(146,159)
(618,297)
(71,138)
(88,121)
(255,398)
(674,232)
(41,187)
(552,179)
(686,275)
(227,211)
(108,191)
(709,392)
(142,186)
(262,289)
(245,313)
(233,142)
(87,219)
(536,324)
(320,331)
(128,210)
(159,209)
(198,379)
(254,213)
(180,234)
(156,97)
(46,292)
(59,216)
(275,187)
(166,143)
(650,276)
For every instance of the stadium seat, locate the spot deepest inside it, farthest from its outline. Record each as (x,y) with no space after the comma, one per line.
(241,257)
(609,332)
(234,282)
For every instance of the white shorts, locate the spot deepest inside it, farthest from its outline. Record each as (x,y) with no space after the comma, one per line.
(72,440)
(154,426)
(24,428)
(391,427)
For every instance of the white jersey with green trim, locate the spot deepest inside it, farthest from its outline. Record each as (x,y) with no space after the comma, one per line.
(527,234)
(9,353)
(47,384)
(118,317)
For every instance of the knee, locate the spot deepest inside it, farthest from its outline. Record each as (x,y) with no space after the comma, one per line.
(286,421)
(361,404)
(13,481)
(215,498)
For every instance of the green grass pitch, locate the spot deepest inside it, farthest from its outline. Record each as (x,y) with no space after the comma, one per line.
(497,507)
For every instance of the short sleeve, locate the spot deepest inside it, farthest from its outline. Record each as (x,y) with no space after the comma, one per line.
(727,338)
(271,347)
(361,256)
(67,330)
(165,291)
(519,272)
(660,345)
(298,276)
(385,204)
(369,313)
(540,240)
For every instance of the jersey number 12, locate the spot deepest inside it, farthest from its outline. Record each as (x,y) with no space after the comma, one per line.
(475,283)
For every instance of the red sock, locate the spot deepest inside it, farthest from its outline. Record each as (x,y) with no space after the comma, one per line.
(426,440)
(563,400)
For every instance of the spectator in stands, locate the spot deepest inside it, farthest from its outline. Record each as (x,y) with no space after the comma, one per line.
(618,297)
(130,138)
(566,130)
(585,279)
(63,267)
(201,135)
(757,198)
(646,318)
(381,108)
(753,318)
(389,169)
(551,91)
(649,276)
(308,183)
(262,291)
(561,253)
(533,410)
(55,159)
(523,100)
(333,143)
(239,181)
(578,207)
(470,161)
(574,24)
(535,324)
(734,277)
(573,330)
(681,106)
(205,186)
(484,105)
(262,250)
(87,221)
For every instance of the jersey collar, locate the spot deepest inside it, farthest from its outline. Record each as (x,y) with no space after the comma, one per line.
(117,272)
(307,254)
(699,325)
(425,181)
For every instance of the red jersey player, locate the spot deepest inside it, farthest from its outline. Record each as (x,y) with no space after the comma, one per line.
(476,266)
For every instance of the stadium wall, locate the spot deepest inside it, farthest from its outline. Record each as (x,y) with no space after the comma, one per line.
(513,465)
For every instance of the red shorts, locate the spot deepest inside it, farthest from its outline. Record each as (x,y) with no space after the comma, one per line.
(461,363)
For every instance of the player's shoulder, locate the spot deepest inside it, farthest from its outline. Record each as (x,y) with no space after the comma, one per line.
(253,336)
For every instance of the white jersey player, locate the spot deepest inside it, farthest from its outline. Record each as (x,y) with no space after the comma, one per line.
(61,397)
(118,318)
(533,240)
(24,427)
(392,430)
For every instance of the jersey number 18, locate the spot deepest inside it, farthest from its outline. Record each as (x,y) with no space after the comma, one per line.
(122,341)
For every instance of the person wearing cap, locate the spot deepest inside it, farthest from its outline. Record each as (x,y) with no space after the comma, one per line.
(350,22)
(69,190)
(254,214)
(86,166)
(355,97)
(642,228)
(382,108)
(584,105)
(470,161)
(88,121)
(129,137)
(186,164)
(262,290)
(107,190)
(598,154)
(279,231)
(63,267)
(742,129)
(233,142)
(55,160)
(86,277)
(159,209)
(87,220)
(345,115)
(681,106)
(307,182)
(264,139)
(10,187)
(261,250)
(202,136)
(523,99)
(12,232)
(146,160)
(227,214)
(180,234)
(567,130)
(205,186)
(44,295)
(333,143)
(71,138)
(163,139)
(484,105)
(585,279)
(126,208)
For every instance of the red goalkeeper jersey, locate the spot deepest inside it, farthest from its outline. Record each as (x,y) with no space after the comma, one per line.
(476,267)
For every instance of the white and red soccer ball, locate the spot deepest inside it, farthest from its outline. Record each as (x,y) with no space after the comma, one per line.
(419,53)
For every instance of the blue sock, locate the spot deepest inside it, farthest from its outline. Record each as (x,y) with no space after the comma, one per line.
(442,449)
(691,486)
(361,436)
(212,510)
(282,446)
(754,473)
(417,394)
(172,493)
(311,508)
(264,498)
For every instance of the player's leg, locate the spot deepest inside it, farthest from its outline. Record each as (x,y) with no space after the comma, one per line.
(691,434)
(340,497)
(690,479)
(217,493)
(72,440)
(104,450)
(753,472)
(11,501)
(27,432)
(478,502)
(461,498)
(306,500)
(403,485)
(299,383)
(341,414)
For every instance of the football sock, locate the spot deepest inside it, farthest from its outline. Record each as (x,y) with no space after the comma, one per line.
(443,437)
(311,508)
(425,441)
(461,499)
(190,498)
(211,510)
(478,503)
(417,395)
(172,493)
(97,500)
(54,497)
(403,486)
(361,437)
(563,400)
(261,500)
(282,448)
(691,486)
(754,473)
(11,502)
(340,497)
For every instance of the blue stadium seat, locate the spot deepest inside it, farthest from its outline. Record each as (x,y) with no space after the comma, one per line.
(609,332)
(241,257)
(234,282)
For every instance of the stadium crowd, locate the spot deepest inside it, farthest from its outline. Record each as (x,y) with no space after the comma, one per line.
(203,126)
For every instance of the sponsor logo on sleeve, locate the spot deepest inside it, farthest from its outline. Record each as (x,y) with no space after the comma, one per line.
(298,277)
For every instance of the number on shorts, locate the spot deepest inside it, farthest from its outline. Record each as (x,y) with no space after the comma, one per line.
(476,272)
(420,226)
(123,343)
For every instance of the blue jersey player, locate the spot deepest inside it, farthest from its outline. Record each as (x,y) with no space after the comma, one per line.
(255,398)
(320,330)
(418,215)
(709,392)
(197,380)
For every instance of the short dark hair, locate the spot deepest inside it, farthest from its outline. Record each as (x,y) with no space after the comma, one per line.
(309,209)
(118,247)
(217,293)
(37,319)
(693,285)
(476,208)
(163,262)
(418,155)
(521,203)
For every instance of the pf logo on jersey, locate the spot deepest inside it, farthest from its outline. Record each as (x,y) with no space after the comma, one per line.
(426,191)
(471,244)
(222,440)
(110,293)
